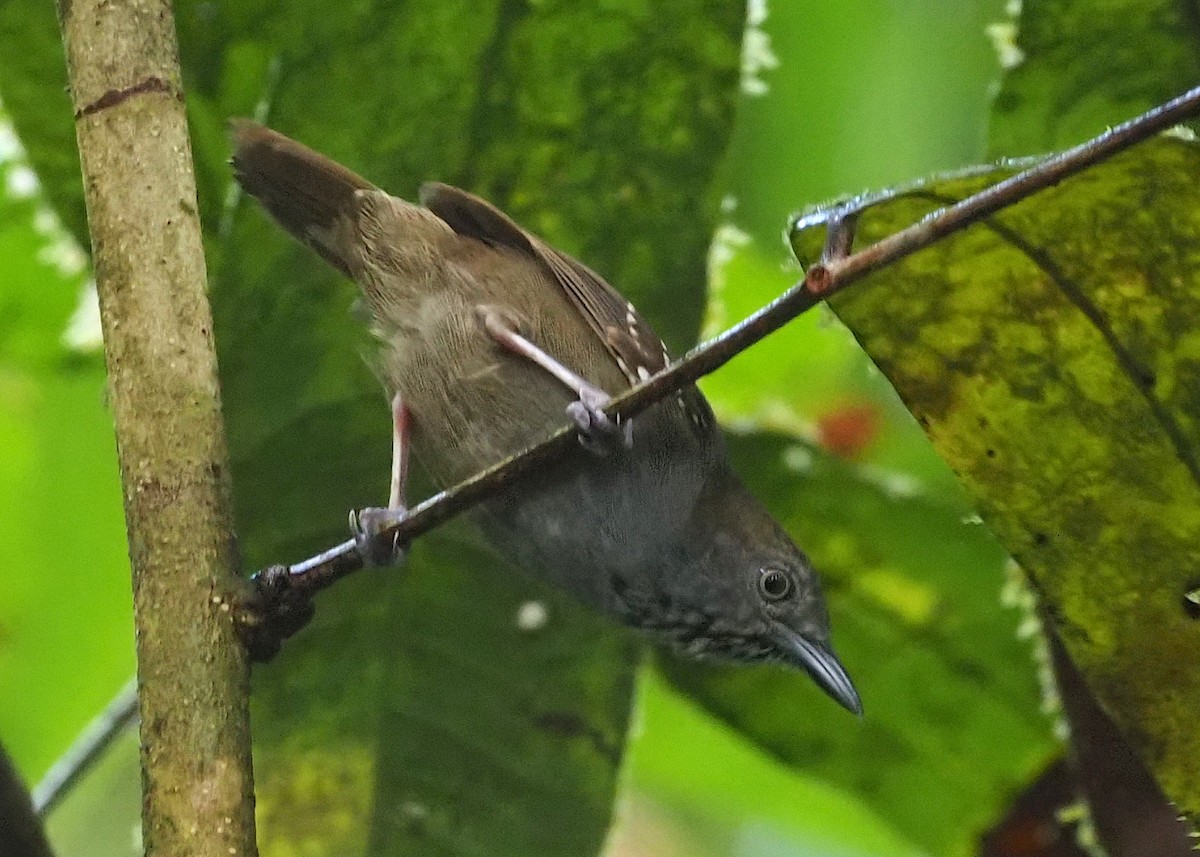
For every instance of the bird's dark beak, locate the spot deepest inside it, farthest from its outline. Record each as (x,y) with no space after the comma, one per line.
(819,661)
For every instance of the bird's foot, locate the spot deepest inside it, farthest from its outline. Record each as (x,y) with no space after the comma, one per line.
(599,433)
(366,525)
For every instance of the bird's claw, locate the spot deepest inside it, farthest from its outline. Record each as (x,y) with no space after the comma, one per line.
(599,433)
(365,526)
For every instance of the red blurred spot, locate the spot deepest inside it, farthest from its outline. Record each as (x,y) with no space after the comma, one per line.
(1030,827)
(848,429)
(1028,837)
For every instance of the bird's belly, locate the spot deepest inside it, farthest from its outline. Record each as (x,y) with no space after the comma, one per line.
(583,522)
(472,402)
(594,526)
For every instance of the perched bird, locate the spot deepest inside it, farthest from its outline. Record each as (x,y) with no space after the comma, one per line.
(487,338)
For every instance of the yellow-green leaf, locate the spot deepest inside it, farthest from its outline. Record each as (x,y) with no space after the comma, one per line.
(1053,356)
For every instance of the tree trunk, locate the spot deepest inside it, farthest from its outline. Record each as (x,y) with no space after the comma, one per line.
(141,201)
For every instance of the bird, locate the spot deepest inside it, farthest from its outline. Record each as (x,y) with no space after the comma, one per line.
(489,340)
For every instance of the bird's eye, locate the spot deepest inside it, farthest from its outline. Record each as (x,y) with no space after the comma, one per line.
(775,585)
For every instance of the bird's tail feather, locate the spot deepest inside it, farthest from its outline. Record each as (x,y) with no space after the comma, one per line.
(311,196)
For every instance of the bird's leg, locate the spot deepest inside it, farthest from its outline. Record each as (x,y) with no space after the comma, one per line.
(366,524)
(839,234)
(598,432)
(840,221)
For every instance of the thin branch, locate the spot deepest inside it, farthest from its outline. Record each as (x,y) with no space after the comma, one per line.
(86,749)
(821,280)
(140,190)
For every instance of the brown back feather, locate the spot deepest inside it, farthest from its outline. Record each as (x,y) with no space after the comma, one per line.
(632,343)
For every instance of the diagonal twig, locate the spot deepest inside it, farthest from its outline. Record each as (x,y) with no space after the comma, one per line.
(834,272)
(86,749)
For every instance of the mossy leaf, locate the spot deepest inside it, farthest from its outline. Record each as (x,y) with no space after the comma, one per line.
(1051,354)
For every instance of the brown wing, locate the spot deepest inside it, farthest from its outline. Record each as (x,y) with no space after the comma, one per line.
(632,343)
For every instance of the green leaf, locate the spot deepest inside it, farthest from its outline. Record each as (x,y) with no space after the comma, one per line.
(952,723)
(1051,355)
(414,717)
(733,799)
(415,701)
(1077,66)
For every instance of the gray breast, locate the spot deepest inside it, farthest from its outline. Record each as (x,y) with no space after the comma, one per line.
(588,524)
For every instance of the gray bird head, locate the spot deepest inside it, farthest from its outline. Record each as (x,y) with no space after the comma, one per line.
(745,592)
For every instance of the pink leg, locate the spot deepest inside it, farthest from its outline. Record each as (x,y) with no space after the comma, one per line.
(371,521)
(597,431)
(400,435)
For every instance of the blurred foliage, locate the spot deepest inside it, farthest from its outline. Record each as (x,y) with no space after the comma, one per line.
(866,94)
(33,83)
(734,799)
(810,379)
(65,642)
(604,129)
(1121,58)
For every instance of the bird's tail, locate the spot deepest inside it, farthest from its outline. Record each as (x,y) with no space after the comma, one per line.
(310,196)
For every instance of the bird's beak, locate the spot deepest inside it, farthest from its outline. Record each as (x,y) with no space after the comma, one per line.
(819,661)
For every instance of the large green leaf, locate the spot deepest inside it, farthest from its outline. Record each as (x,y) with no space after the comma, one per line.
(952,723)
(1131,56)
(1051,355)
(415,717)
(416,698)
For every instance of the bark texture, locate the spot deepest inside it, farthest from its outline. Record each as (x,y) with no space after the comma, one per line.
(146,246)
